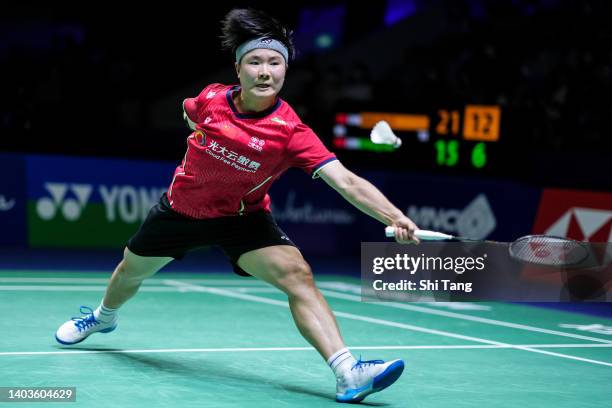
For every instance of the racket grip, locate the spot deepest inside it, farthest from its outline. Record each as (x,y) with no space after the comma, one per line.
(424,235)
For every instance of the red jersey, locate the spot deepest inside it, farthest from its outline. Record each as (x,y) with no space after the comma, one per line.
(232,158)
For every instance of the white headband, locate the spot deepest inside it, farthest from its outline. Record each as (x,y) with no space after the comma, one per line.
(262,42)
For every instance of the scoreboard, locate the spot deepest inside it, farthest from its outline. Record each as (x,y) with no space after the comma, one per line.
(447,138)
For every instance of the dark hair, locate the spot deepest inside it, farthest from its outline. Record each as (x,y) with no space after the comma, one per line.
(242,25)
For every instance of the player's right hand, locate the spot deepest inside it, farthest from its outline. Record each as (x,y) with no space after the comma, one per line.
(404,231)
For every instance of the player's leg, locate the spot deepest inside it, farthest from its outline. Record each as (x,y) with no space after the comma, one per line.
(284,267)
(156,241)
(123,285)
(129,275)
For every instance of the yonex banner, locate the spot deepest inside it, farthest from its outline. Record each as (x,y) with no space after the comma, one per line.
(12,200)
(79,202)
(82,202)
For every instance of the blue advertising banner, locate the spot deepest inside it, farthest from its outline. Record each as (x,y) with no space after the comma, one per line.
(313,215)
(321,222)
(12,199)
(83,202)
(477,208)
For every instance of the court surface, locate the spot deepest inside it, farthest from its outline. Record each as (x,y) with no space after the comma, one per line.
(218,340)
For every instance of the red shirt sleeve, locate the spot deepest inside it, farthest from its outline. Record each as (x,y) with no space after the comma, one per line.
(307,152)
(192,107)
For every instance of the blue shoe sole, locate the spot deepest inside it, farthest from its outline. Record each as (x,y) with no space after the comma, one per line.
(381,381)
(110,329)
(389,376)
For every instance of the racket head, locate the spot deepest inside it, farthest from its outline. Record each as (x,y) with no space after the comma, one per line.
(548,250)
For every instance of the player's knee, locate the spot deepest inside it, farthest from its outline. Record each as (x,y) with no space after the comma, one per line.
(131,272)
(127,271)
(131,268)
(296,278)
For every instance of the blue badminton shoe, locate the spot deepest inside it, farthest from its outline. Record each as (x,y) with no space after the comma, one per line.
(367,377)
(78,329)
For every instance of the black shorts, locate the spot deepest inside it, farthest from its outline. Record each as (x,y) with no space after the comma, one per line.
(165,232)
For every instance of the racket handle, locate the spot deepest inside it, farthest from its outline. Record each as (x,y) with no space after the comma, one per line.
(424,235)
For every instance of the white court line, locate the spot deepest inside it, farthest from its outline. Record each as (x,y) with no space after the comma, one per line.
(332,285)
(99,288)
(349,287)
(228,293)
(54,280)
(178,285)
(242,281)
(266,349)
(255,290)
(75,288)
(151,281)
(454,315)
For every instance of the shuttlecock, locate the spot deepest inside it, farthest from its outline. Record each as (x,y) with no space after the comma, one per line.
(382,134)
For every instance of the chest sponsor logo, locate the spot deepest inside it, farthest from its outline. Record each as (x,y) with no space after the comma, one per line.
(200,137)
(231,158)
(257,144)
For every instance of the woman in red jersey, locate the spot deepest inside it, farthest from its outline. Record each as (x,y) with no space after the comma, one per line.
(244,137)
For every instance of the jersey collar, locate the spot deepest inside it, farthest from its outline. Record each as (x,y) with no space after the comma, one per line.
(253,115)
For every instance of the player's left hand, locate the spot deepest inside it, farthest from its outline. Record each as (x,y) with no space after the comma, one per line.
(404,230)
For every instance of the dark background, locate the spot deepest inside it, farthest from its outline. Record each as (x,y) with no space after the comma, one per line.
(107,80)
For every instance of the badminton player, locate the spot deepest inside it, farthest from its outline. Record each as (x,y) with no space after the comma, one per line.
(244,137)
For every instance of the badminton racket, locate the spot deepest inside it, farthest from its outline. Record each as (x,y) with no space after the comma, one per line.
(535,249)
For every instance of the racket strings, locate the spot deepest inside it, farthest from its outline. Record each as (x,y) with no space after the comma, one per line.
(548,251)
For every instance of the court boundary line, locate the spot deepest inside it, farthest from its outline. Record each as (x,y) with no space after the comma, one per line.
(100,288)
(327,292)
(461,316)
(265,349)
(150,281)
(228,293)
(335,293)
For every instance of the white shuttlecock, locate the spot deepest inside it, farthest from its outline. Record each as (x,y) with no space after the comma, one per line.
(382,134)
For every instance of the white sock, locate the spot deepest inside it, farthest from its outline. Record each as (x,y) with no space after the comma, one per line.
(341,362)
(105,314)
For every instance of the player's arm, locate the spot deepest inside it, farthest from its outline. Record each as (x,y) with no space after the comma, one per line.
(367,198)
